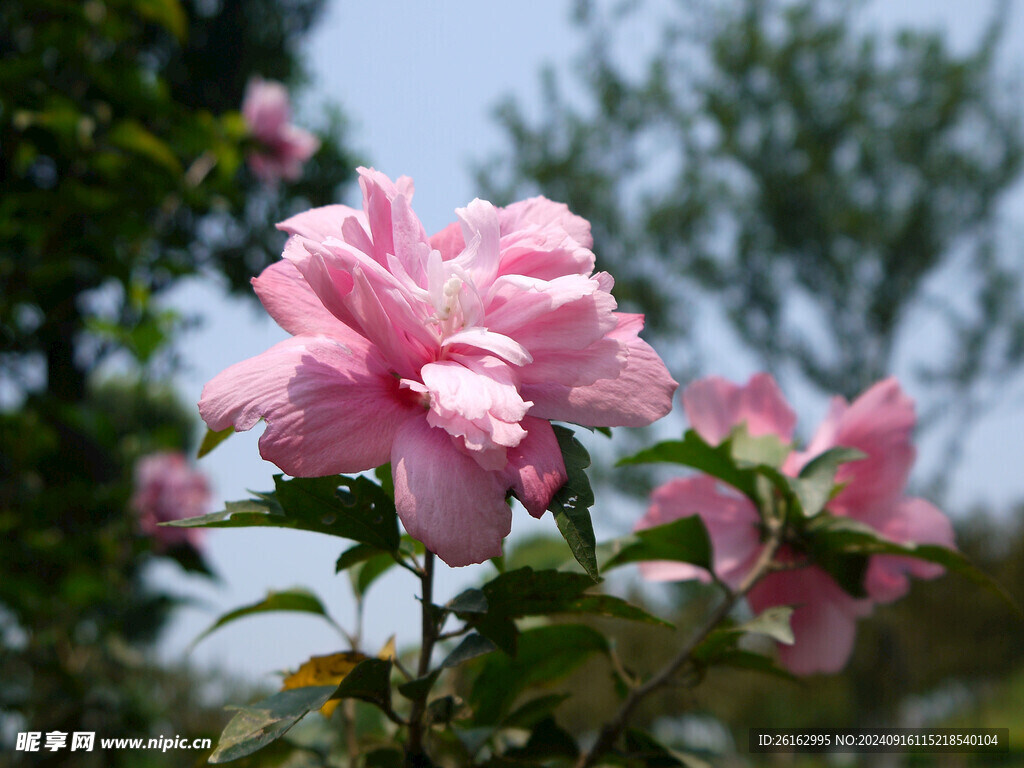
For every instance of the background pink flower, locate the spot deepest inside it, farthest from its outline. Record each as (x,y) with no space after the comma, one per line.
(283,147)
(168,488)
(879,423)
(445,355)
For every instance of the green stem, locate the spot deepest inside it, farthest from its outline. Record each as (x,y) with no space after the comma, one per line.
(415,754)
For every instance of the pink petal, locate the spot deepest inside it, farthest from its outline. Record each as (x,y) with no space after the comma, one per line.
(824,620)
(640,394)
(880,423)
(449,241)
(536,469)
(515,301)
(288,299)
(544,239)
(480,231)
(715,406)
(481,405)
(318,224)
(445,499)
(489,341)
(915,521)
(731,521)
(312,392)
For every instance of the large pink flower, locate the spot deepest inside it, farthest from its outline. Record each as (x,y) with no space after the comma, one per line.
(445,355)
(168,488)
(880,424)
(283,147)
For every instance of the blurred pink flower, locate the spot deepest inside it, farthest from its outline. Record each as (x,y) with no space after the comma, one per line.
(168,488)
(283,147)
(879,423)
(445,355)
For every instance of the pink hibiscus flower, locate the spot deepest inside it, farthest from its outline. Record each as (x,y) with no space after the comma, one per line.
(445,355)
(879,423)
(168,488)
(283,147)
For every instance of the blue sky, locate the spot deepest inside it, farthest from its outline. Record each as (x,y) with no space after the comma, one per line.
(418,81)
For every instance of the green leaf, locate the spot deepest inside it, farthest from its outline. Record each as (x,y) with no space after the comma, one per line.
(370,571)
(693,451)
(833,537)
(684,540)
(763,450)
(470,601)
(773,622)
(755,662)
(417,690)
(212,439)
(534,710)
(256,725)
(613,607)
(360,553)
(817,479)
(370,681)
(547,740)
(472,645)
(544,654)
(299,600)
(351,507)
(571,503)
(650,752)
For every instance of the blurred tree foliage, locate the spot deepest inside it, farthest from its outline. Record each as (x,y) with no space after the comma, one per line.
(833,189)
(121,170)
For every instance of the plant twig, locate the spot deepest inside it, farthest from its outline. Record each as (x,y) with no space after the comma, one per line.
(614,727)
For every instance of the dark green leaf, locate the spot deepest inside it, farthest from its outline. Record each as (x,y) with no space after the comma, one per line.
(614,607)
(442,710)
(369,681)
(533,711)
(544,654)
(350,507)
(256,725)
(469,601)
(571,503)
(833,536)
(643,749)
(684,540)
(416,690)
(212,439)
(385,757)
(353,507)
(548,740)
(472,645)
(755,662)
(288,600)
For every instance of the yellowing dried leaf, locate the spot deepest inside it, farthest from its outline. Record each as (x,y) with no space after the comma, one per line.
(387,653)
(324,670)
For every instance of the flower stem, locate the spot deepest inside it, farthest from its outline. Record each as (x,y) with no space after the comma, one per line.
(415,754)
(617,724)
